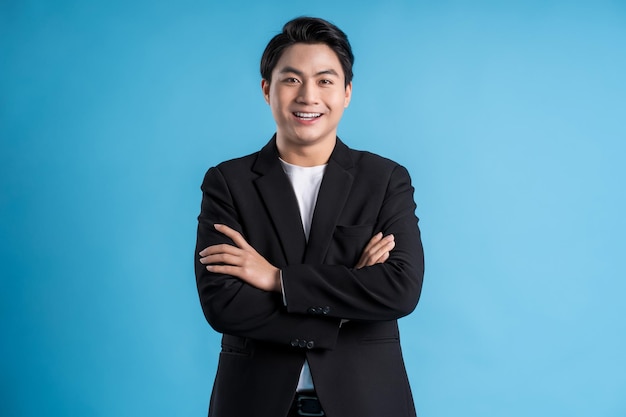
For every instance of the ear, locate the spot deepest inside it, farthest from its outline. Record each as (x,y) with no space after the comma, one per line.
(348,96)
(265,86)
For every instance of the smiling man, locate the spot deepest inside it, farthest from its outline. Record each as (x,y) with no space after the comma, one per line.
(308,251)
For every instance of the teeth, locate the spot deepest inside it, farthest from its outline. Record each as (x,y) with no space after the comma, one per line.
(307,115)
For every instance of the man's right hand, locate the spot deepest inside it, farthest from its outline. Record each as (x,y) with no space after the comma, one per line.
(376,251)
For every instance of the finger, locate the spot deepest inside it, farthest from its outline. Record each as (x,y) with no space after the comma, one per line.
(378,255)
(221,248)
(222,258)
(383,251)
(231,233)
(382,259)
(363,260)
(225,269)
(371,247)
(379,247)
(373,241)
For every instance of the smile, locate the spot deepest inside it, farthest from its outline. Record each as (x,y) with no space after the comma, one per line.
(307,116)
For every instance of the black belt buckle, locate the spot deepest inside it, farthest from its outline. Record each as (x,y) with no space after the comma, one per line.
(309,406)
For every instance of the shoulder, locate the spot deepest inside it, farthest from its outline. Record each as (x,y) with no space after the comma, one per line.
(371,171)
(371,159)
(232,171)
(239,163)
(371,164)
(252,165)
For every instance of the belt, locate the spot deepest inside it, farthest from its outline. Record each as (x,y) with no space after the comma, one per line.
(306,403)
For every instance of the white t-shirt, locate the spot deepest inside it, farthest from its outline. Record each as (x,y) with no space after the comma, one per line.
(306,183)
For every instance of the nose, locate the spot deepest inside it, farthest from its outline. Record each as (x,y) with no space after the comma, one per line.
(307,94)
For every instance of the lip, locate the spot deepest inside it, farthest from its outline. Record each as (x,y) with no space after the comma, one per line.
(307,118)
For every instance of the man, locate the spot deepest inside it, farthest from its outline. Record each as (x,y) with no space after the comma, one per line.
(308,251)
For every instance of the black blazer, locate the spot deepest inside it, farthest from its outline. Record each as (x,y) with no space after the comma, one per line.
(357,367)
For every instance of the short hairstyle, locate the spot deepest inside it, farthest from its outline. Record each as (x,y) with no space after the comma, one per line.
(310,30)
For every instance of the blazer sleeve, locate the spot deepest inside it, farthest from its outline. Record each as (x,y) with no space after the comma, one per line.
(234,307)
(384,291)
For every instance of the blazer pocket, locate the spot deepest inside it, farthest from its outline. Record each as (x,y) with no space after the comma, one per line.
(379,340)
(355,230)
(348,243)
(234,345)
(230,352)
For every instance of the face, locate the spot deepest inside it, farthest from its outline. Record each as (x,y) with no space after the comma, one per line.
(307,96)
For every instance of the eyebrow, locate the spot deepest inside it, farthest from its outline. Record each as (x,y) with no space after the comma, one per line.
(300,73)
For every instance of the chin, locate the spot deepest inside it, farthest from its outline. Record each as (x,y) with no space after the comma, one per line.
(311,137)
(310,140)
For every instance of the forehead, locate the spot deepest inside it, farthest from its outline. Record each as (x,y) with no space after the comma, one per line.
(309,58)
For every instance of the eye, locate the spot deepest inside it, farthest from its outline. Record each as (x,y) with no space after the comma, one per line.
(291,80)
(326,82)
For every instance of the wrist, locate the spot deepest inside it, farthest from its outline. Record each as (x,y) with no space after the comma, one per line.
(278,282)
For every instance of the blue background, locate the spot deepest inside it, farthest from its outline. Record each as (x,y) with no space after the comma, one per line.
(510,117)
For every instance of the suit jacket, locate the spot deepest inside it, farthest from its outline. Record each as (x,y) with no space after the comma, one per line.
(357,367)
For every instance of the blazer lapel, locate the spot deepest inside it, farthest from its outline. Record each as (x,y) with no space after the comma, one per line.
(331,199)
(277,194)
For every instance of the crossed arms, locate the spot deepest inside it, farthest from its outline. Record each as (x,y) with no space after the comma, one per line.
(244,262)
(239,281)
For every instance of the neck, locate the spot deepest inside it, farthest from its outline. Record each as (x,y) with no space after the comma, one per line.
(305,156)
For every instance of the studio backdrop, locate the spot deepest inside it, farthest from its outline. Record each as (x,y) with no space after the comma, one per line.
(509,116)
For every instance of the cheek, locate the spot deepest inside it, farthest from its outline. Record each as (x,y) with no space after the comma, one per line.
(340,105)
(276,104)
(280,102)
(340,101)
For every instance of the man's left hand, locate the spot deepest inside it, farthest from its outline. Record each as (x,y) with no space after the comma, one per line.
(241,261)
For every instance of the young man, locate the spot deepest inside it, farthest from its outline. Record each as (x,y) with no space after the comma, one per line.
(308,251)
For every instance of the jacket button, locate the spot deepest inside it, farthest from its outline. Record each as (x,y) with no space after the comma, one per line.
(312,310)
(302,343)
(326,310)
(295,342)
(310,344)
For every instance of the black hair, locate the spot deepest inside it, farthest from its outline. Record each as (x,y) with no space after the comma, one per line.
(310,30)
